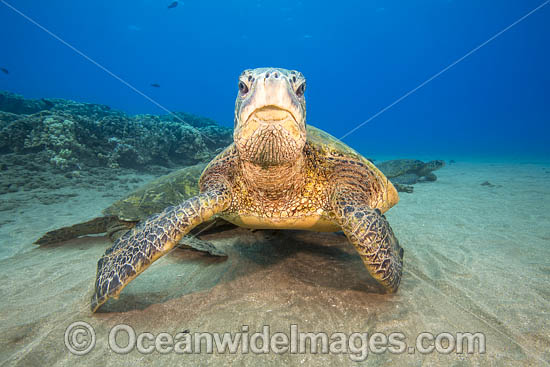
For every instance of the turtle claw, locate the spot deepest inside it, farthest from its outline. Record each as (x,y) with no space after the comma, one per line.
(97,301)
(110,284)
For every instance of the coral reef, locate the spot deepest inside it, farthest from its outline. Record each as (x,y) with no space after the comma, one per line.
(14,103)
(68,135)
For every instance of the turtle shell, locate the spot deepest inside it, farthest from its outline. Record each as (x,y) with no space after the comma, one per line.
(328,145)
(158,194)
(398,167)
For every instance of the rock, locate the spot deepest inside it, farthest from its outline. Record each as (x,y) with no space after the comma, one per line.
(68,135)
(14,103)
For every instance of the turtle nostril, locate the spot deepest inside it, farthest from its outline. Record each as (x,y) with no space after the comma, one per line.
(267,75)
(276,75)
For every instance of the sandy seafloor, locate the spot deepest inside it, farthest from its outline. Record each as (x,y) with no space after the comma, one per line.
(477,259)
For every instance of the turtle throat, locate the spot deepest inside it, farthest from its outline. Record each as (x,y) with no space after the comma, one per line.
(270,136)
(274,181)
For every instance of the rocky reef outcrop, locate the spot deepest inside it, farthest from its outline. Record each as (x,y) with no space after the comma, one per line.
(14,103)
(67,135)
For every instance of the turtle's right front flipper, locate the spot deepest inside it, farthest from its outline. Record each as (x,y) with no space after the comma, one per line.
(132,253)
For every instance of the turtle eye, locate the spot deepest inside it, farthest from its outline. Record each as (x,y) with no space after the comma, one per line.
(301,89)
(243,88)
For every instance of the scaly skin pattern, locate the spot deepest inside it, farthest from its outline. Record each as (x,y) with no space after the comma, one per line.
(301,195)
(271,177)
(369,231)
(309,196)
(150,239)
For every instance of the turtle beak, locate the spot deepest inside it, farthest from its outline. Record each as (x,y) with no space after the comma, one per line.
(271,114)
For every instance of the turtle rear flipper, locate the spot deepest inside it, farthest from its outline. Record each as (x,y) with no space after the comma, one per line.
(197,244)
(191,240)
(94,226)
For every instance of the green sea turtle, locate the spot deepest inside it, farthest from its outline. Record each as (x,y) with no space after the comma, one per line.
(405,172)
(152,198)
(277,174)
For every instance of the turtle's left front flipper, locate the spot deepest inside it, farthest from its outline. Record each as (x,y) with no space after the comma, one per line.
(369,231)
(132,253)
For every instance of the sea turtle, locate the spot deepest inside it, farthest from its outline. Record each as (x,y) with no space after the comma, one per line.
(277,174)
(152,198)
(405,172)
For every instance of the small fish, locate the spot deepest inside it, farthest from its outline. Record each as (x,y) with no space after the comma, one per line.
(5,71)
(173,5)
(155,85)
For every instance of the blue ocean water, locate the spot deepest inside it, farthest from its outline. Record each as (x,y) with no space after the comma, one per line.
(460,80)
(358,56)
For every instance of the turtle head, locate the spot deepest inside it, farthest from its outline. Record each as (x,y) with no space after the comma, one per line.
(270,116)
